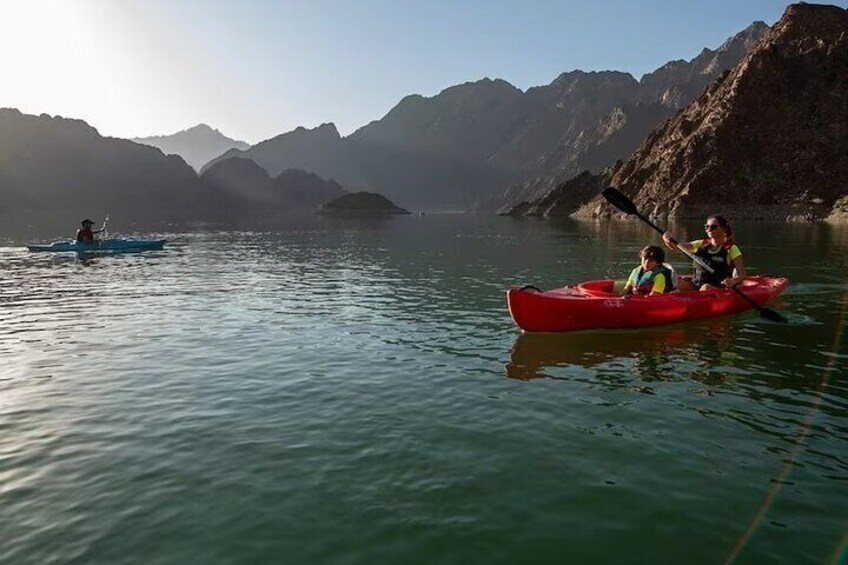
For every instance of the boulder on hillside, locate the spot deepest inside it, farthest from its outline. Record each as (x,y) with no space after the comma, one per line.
(361,203)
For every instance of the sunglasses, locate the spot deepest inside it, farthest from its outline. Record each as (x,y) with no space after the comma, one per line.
(711,227)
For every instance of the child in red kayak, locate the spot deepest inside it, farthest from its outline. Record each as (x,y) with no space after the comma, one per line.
(85,234)
(653,276)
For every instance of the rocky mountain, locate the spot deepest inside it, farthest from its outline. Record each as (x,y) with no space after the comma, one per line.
(768,139)
(483,143)
(196,145)
(620,128)
(677,83)
(293,190)
(56,164)
(404,154)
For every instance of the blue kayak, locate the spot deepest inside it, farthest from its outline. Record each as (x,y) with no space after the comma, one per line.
(102,246)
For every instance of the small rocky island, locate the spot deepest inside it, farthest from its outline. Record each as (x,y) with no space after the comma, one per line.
(360,204)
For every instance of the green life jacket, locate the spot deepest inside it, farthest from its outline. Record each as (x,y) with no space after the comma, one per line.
(643,281)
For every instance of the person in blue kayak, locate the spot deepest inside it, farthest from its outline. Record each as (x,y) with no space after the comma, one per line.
(85,234)
(652,276)
(719,251)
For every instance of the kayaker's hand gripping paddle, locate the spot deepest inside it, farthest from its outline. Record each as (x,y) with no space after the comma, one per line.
(626,205)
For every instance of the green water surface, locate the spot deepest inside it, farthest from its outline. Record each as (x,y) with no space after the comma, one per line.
(353,391)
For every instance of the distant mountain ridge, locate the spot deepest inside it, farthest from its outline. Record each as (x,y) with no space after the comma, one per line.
(485,143)
(196,145)
(319,150)
(53,165)
(765,138)
(291,191)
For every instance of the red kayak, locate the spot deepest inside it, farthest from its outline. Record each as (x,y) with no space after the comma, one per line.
(594,305)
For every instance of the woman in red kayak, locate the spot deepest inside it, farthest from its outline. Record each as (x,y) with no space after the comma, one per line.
(717,250)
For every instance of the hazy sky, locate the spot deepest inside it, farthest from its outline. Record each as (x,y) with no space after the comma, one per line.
(254,68)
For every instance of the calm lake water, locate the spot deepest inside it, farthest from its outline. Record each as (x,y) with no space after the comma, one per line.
(355,392)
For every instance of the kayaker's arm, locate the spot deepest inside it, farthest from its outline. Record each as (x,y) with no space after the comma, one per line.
(630,284)
(659,285)
(672,243)
(739,272)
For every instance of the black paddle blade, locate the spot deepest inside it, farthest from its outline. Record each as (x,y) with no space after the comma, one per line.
(772,315)
(619,200)
(764,312)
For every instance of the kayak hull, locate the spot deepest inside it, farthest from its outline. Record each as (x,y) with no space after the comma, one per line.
(104,246)
(593,305)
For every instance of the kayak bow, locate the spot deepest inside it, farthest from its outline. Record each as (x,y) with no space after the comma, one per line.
(102,246)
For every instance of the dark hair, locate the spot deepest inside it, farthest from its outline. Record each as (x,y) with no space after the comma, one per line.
(722,221)
(652,252)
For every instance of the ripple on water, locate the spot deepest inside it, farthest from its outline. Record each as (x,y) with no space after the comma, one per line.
(257,391)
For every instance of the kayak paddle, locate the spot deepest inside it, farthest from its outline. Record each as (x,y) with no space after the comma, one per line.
(620,201)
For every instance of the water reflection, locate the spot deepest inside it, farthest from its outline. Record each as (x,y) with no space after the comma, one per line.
(86,258)
(655,354)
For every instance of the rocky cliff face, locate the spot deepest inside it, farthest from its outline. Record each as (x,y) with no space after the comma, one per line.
(196,145)
(467,121)
(616,131)
(677,83)
(769,139)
